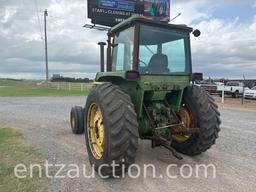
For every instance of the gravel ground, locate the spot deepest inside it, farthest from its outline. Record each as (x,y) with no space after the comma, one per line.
(248,105)
(45,123)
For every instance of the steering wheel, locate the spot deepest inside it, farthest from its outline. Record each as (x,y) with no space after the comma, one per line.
(144,68)
(140,61)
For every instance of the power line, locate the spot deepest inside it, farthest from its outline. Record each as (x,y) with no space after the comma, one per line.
(18,9)
(38,19)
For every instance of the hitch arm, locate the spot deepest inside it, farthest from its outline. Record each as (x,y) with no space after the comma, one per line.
(159,141)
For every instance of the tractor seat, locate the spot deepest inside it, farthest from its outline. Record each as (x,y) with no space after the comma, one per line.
(158,64)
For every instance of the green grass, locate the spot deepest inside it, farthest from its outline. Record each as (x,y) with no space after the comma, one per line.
(11,88)
(38,92)
(13,151)
(4,82)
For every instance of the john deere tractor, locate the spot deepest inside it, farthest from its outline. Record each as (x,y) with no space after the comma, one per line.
(146,93)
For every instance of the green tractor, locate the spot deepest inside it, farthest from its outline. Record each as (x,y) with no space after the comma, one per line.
(147,93)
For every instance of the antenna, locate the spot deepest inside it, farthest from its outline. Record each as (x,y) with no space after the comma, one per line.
(97,27)
(175,17)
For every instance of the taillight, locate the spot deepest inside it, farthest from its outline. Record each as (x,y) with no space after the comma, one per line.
(132,75)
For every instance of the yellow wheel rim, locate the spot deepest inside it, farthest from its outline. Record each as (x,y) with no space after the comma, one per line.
(95,131)
(186,118)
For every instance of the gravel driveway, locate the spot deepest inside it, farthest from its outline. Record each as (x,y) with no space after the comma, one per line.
(45,122)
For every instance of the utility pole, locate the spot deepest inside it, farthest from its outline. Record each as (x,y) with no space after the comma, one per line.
(46,51)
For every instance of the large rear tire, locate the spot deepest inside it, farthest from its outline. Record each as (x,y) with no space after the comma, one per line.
(205,116)
(111,129)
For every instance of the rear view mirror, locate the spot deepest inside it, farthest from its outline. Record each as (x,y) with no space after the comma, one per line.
(196,33)
(197,77)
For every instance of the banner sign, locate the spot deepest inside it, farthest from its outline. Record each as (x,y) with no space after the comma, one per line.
(112,12)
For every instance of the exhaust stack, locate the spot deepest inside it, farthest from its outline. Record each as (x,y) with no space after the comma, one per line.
(102,56)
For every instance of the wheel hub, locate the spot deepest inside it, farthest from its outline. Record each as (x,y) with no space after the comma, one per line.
(187,120)
(95,131)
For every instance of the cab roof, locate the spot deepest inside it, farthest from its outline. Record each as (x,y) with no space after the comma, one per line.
(142,20)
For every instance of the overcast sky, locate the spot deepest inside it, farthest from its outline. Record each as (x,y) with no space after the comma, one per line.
(226,48)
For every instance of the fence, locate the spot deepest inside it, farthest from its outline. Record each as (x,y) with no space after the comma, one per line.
(71,86)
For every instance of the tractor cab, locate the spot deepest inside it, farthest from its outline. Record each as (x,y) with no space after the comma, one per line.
(149,47)
(153,56)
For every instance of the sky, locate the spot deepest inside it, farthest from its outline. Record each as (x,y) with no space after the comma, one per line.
(225,49)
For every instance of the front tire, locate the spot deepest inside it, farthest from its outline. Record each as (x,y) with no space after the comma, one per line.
(77,120)
(205,116)
(112,133)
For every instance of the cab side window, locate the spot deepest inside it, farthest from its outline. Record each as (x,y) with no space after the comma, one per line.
(123,50)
